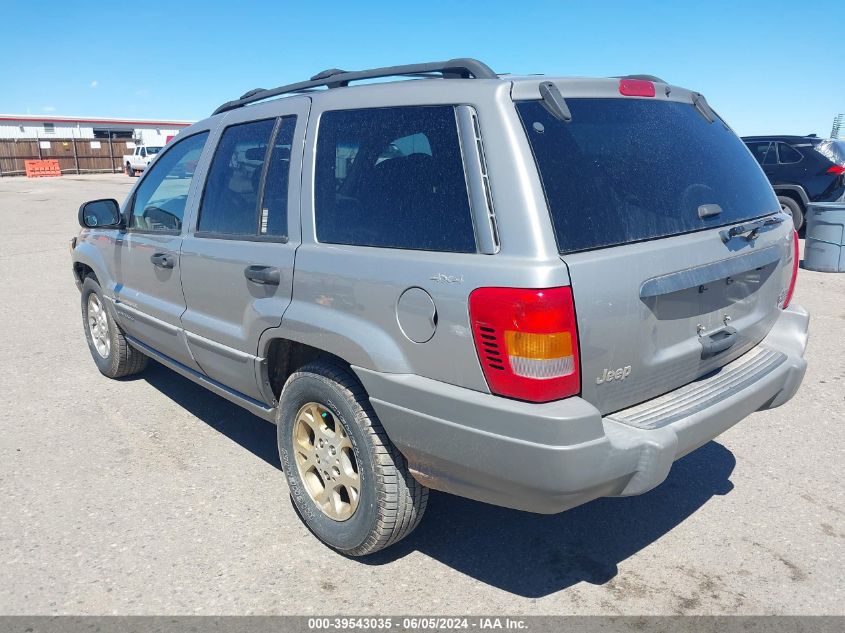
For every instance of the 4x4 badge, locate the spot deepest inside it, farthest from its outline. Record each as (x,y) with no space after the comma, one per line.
(448,279)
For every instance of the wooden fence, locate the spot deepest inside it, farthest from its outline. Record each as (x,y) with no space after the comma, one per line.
(75,155)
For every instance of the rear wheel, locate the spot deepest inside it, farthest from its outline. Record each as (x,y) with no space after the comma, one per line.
(129,170)
(350,485)
(111,352)
(790,206)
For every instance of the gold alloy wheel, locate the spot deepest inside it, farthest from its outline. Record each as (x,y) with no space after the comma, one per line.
(326,462)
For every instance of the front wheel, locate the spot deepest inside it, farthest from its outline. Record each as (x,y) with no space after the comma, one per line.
(790,206)
(110,350)
(349,483)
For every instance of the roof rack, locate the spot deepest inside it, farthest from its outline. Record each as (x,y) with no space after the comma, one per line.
(335,78)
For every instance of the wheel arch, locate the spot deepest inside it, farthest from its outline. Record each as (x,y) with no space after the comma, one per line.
(283,356)
(323,332)
(796,192)
(87,260)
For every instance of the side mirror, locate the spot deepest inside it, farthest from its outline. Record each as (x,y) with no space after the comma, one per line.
(100,214)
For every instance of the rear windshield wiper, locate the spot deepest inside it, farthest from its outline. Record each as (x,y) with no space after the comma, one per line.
(554,102)
(703,107)
(750,230)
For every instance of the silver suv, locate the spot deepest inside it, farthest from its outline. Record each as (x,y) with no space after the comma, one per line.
(528,291)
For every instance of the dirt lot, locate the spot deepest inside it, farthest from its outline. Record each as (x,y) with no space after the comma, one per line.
(154,496)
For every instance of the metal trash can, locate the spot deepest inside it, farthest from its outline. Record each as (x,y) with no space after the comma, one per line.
(824,248)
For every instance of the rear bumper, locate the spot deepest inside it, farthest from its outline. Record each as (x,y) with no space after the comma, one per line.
(551,457)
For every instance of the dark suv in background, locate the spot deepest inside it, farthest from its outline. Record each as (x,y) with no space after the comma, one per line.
(802,169)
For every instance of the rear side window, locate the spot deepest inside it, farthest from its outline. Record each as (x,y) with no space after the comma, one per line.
(274,205)
(394,178)
(788,154)
(627,170)
(771,157)
(759,150)
(230,201)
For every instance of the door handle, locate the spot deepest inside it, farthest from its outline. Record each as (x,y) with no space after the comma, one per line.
(266,275)
(163,260)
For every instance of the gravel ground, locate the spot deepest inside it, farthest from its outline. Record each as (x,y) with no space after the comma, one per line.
(152,495)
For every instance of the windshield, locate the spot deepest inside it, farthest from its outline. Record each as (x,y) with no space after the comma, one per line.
(832,150)
(627,170)
(153,150)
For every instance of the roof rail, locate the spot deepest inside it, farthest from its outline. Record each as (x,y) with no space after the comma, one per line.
(464,68)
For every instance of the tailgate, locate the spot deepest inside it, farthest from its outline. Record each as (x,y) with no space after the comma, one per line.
(643,194)
(652,317)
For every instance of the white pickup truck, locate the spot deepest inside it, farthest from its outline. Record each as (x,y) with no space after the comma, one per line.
(139,159)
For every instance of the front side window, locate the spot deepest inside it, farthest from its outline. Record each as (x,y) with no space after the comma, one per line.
(159,202)
(393,178)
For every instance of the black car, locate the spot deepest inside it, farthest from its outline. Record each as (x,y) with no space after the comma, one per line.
(802,169)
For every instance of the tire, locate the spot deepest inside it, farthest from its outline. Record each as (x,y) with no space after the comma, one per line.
(389,502)
(790,206)
(130,171)
(111,352)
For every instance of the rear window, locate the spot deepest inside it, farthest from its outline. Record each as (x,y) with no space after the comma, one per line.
(627,170)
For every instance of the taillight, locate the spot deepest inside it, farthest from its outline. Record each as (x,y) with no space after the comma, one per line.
(636,88)
(791,288)
(836,170)
(527,341)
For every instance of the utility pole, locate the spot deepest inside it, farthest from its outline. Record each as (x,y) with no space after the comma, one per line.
(838,125)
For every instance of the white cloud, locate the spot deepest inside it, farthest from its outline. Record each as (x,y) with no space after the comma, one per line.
(49,108)
(94,83)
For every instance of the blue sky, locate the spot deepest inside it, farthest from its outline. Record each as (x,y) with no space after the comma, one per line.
(767,67)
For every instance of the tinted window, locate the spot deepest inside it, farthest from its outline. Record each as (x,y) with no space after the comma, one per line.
(274,206)
(230,201)
(771,157)
(159,203)
(788,154)
(759,150)
(392,177)
(625,170)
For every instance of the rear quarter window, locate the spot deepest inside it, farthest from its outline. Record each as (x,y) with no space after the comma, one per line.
(628,170)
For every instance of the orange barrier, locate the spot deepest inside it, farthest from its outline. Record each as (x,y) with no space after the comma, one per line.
(42,168)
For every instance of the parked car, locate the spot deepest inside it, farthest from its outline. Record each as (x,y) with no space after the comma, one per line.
(521,290)
(802,169)
(139,159)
